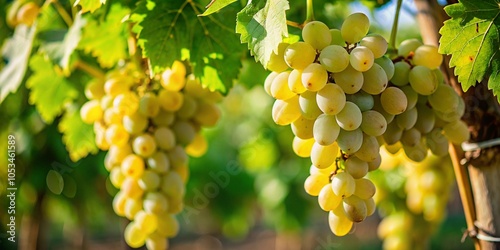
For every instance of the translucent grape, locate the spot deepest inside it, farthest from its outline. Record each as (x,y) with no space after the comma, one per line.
(355,208)
(144,145)
(116,135)
(324,156)
(411,137)
(91,112)
(339,224)
(146,221)
(286,112)
(302,147)
(149,105)
(295,82)
(423,80)
(408,47)
(375,80)
(184,132)
(326,130)
(337,37)
(334,58)
(165,138)
(401,75)
(155,202)
(393,133)
(299,55)
(314,183)
(134,235)
(425,119)
(327,199)
(387,64)
(393,100)
(373,123)
(303,128)
(94,89)
(356,167)
(133,166)
(456,132)
(350,141)
(188,108)
(135,123)
(350,117)
(428,56)
(444,99)
(149,181)
(159,162)
(376,43)
(411,96)
(308,105)
(362,99)
(331,99)
(279,87)
(277,61)
(369,150)
(343,184)
(355,27)
(365,189)
(407,119)
(314,77)
(317,34)
(361,59)
(350,80)
(170,100)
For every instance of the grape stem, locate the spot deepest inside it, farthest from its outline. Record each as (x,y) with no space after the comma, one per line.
(294,24)
(309,11)
(62,12)
(392,40)
(91,70)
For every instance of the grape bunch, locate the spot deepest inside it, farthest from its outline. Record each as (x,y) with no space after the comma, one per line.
(344,99)
(413,208)
(149,128)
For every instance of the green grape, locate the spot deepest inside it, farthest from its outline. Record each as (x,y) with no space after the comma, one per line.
(184,132)
(331,99)
(116,135)
(362,59)
(156,242)
(112,116)
(350,80)
(417,153)
(277,61)
(375,164)
(198,146)
(327,199)
(149,181)
(411,96)
(423,80)
(158,162)
(91,112)
(369,150)
(373,123)
(144,145)
(355,27)
(149,105)
(411,137)
(188,108)
(343,184)
(134,236)
(126,103)
(279,86)
(370,206)
(314,77)
(444,99)
(286,112)
(178,157)
(363,100)
(164,118)
(334,58)
(94,89)
(355,208)
(428,56)
(437,142)
(116,177)
(337,37)
(168,226)
(269,81)
(425,119)
(299,55)
(314,183)
(393,133)
(133,166)
(317,34)
(132,206)
(130,188)
(401,75)
(207,114)
(408,47)
(365,189)
(165,138)
(356,167)
(376,43)
(295,82)
(407,119)
(387,64)
(453,115)
(308,105)
(350,117)
(146,221)
(303,128)
(135,123)
(324,156)
(456,132)
(172,185)
(193,87)
(170,100)
(155,202)
(350,141)
(393,100)
(302,147)
(375,80)
(339,224)
(325,130)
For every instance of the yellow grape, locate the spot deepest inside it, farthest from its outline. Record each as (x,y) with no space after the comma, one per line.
(198,146)
(170,100)
(155,202)
(146,221)
(339,224)
(117,135)
(133,166)
(279,86)
(156,241)
(299,55)
(314,183)
(134,235)
(324,156)
(327,199)
(91,112)
(295,82)
(286,112)
(314,77)
(302,147)
(168,226)
(277,61)
(317,34)
(331,99)
(28,13)
(303,127)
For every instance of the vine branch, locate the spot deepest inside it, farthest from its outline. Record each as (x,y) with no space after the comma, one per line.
(394,31)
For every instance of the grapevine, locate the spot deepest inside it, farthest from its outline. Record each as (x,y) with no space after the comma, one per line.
(344,99)
(149,127)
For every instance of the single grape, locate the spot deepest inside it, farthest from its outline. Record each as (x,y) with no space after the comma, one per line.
(279,86)
(299,55)
(355,208)
(375,80)
(331,99)
(326,130)
(337,38)
(355,27)
(365,189)
(408,47)
(339,224)
(393,100)
(184,132)
(350,80)
(376,43)
(373,123)
(444,99)
(91,112)
(343,184)
(423,80)
(314,77)
(428,56)
(387,64)
(457,132)
(295,82)
(317,34)
(144,145)
(361,59)
(401,73)
(407,119)
(165,138)
(133,166)
(356,167)
(149,181)
(134,235)
(286,112)
(277,62)
(303,128)
(135,123)
(362,99)
(302,147)
(350,117)
(324,156)
(327,199)
(155,202)
(149,105)
(308,105)
(350,141)
(334,58)
(369,150)
(314,183)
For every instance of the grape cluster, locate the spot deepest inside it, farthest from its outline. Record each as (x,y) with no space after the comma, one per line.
(343,99)
(409,220)
(149,130)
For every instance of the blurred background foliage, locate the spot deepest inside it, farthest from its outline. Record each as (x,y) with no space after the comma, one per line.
(245,192)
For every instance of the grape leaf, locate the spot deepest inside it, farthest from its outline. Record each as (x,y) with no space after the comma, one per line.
(77,135)
(89,5)
(216,5)
(17,51)
(262,24)
(110,48)
(50,91)
(472,37)
(166,29)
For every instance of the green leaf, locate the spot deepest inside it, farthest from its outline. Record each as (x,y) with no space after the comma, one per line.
(472,37)
(109,48)
(262,24)
(89,5)
(77,135)
(166,29)
(216,5)
(17,51)
(50,91)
